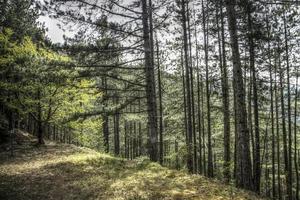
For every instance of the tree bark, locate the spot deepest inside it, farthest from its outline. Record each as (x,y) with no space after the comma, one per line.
(150,85)
(225,95)
(40,122)
(244,166)
(277,129)
(295,138)
(199,111)
(289,169)
(210,168)
(283,118)
(117,131)
(188,88)
(161,145)
(256,158)
(272,113)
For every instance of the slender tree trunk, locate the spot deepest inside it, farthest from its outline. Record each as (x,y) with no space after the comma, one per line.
(256,158)
(295,138)
(195,162)
(130,137)
(283,118)
(184,99)
(40,122)
(200,160)
(272,113)
(150,85)
(161,145)
(140,133)
(289,170)
(126,142)
(188,88)
(210,171)
(244,166)
(134,146)
(277,129)
(177,157)
(225,94)
(250,115)
(106,133)
(117,131)
(267,170)
(203,127)
(105,125)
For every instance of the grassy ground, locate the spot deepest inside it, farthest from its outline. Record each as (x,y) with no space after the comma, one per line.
(68,172)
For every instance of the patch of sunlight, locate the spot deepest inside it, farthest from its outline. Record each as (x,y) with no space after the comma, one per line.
(27,166)
(69,172)
(156,182)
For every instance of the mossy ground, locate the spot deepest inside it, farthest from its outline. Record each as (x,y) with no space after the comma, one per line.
(57,171)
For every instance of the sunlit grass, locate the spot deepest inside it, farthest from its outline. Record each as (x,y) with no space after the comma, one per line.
(69,172)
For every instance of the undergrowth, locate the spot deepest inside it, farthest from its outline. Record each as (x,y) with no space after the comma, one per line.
(68,172)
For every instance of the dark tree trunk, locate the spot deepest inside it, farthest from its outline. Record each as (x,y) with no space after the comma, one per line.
(177,156)
(256,158)
(199,112)
(283,118)
(126,152)
(161,140)
(295,138)
(277,132)
(289,170)
(106,133)
(210,168)
(195,162)
(150,85)
(225,94)
(117,132)
(184,99)
(272,113)
(40,122)
(140,143)
(244,166)
(188,88)
(203,127)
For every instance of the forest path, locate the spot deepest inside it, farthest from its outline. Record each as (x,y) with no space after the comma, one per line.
(59,171)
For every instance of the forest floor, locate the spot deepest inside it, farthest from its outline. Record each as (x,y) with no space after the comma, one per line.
(60,171)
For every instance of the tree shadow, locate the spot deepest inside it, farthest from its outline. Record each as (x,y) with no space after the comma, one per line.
(75,173)
(85,179)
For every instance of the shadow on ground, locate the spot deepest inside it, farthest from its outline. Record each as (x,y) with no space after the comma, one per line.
(68,172)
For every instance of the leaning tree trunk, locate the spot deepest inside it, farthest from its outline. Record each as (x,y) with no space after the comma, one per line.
(244,165)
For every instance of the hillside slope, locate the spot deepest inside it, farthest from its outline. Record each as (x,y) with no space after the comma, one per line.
(58,171)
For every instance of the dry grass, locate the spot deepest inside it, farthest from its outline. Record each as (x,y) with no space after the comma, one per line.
(68,172)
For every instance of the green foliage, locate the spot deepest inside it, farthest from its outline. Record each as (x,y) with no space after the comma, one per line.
(68,172)
(34,78)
